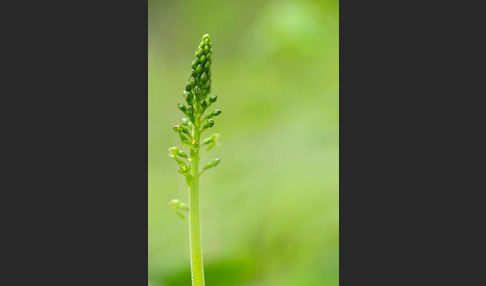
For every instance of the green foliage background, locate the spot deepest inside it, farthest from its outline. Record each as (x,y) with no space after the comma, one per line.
(270,210)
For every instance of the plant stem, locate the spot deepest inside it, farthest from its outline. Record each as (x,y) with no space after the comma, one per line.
(197,270)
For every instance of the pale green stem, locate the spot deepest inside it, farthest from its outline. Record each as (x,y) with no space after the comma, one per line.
(197,270)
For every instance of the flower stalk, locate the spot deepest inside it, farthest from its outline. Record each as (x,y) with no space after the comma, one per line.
(195,94)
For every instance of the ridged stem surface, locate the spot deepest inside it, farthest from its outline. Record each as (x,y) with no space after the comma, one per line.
(197,270)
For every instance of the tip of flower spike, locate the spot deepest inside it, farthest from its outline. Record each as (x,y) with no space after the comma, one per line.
(205,37)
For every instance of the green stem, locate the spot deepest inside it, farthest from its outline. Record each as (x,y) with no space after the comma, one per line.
(197,270)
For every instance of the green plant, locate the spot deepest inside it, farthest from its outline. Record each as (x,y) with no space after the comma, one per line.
(196,94)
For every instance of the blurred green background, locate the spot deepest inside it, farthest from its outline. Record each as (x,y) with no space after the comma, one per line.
(270,210)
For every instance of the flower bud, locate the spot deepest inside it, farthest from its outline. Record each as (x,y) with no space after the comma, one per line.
(175,203)
(204,104)
(184,130)
(215,112)
(197,90)
(182,154)
(214,138)
(178,205)
(208,124)
(185,121)
(212,163)
(182,107)
(203,58)
(213,98)
(206,48)
(190,113)
(173,151)
(192,81)
(207,86)
(204,76)
(187,97)
(199,68)
(207,65)
(180,130)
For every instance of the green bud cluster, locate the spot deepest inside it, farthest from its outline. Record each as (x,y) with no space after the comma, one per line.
(198,86)
(197,102)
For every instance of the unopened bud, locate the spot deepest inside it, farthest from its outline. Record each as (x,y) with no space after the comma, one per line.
(187,97)
(173,151)
(204,76)
(208,124)
(215,112)
(215,137)
(184,130)
(175,203)
(190,112)
(207,86)
(213,98)
(182,107)
(212,163)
